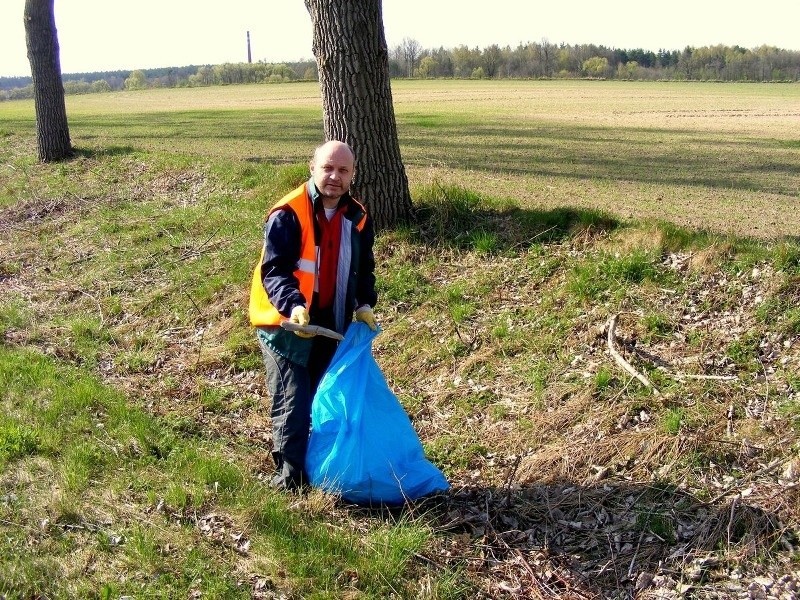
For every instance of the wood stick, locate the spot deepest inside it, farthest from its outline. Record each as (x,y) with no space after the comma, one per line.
(709,377)
(612,325)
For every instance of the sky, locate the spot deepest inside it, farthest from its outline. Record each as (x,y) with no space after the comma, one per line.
(104,35)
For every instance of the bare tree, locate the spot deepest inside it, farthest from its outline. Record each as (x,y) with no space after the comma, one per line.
(411,50)
(353,62)
(41,37)
(548,51)
(493,59)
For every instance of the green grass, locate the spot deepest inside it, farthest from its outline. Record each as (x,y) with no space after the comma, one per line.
(16,440)
(610,274)
(603,379)
(673,420)
(106,451)
(131,395)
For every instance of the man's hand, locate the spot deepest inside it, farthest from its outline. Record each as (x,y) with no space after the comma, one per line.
(365,315)
(301,317)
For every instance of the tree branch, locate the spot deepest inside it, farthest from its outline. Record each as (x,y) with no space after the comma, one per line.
(612,325)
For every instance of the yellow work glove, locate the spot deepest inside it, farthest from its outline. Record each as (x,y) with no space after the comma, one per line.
(365,315)
(301,317)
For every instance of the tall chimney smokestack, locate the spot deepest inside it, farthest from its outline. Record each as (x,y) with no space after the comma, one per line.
(249,55)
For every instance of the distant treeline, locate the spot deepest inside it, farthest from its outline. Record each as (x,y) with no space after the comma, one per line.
(526,61)
(13,88)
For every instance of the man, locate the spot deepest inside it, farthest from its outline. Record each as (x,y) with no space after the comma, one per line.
(317,267)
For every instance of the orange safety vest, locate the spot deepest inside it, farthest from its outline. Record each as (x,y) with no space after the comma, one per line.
(262,312)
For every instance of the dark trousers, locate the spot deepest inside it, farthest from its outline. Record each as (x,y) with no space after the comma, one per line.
(292,387)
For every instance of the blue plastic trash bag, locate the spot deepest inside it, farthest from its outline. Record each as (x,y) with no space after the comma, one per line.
(362,443)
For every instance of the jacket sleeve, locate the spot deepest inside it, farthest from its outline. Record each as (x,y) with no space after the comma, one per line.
(281,253)
(365,288)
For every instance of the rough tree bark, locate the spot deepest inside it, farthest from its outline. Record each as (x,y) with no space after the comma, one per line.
(52,131)
(353,63)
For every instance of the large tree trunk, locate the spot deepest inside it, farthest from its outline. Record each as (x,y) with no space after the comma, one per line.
(353,63)
(52,131)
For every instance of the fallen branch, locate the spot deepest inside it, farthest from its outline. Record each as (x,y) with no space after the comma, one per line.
(729,416)
(708,377)
(612,325)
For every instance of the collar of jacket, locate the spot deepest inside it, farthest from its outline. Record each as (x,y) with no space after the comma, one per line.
(316,197)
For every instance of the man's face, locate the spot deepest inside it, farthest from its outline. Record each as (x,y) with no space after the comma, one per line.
(332,170)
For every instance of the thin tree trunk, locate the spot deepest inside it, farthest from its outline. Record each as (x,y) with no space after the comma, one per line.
(52,131)
(353,63)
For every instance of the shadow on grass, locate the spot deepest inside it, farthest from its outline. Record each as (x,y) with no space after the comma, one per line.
(596,541)
(681,157)
(456,217)
(657,156)
(106,151)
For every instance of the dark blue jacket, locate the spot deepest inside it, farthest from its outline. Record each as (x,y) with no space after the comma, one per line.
(282,250)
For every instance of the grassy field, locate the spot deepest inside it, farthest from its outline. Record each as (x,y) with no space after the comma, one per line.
(134,433)
(671,151)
